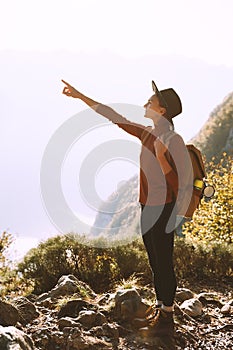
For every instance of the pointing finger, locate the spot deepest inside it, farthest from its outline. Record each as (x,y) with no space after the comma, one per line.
(65,83)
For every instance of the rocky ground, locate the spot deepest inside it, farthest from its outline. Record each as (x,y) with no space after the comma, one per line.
(72,317)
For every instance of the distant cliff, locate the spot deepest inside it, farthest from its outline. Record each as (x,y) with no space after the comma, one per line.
(216,135)
(119,216)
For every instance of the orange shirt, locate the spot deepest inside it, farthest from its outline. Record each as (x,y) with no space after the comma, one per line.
(155,187)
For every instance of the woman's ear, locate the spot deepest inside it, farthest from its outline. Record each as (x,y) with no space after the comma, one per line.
(163,110)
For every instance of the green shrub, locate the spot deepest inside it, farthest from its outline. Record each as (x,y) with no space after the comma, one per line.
(213,220)
(99,267)
(102,268)
(10,281)
(62,255)
(201,261)
(6,239)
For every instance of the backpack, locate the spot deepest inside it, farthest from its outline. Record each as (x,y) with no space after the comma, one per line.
(199,174)
(200,188)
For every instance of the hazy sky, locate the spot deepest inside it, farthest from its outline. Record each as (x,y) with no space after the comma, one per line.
(201,29)
(110,50)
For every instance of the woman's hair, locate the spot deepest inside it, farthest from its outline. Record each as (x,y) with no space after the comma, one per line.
(165,115)
(171,121)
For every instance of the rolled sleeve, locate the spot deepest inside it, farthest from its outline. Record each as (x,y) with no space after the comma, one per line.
(134,129)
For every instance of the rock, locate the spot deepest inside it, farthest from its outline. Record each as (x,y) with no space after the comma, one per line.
(226,309)
(192,307)
(183,294)
(58,339)
(105,298)
(68,322)
(79,341)
(27,310)
(124,294)
(93,324)
(96,331)
(47,338)
(32,297)
(68,285)
(73,307)
(129,305)
(91,318)
(133,308)
(209,298)
(9,314)
(42,297)
(48,303)
(86,319)
(107,330)
(12,338)
(111,330)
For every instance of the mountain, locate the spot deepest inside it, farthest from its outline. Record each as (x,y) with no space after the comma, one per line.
(119,216)
(216,135)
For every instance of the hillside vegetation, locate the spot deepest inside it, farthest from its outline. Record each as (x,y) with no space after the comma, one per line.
(216,136)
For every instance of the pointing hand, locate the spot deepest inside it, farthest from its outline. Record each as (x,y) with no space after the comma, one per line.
(70,90)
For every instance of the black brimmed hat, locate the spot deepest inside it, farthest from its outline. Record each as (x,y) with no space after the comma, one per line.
(169,99)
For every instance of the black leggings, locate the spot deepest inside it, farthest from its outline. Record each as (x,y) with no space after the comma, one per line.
(159,246)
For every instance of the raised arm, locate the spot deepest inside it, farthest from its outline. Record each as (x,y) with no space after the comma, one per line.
(134,129)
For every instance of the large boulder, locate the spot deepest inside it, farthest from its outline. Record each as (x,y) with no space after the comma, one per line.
(129,304)
(27,310)
(193,307)
(68,285)
(12,338)
(9,315)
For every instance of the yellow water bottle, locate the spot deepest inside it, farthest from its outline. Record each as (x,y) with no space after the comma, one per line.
(198,184)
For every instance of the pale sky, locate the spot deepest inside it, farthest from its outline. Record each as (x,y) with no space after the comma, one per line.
(194,28)
(112,50)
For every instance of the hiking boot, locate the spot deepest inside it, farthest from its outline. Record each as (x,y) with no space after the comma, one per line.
(152,312)
(161,325)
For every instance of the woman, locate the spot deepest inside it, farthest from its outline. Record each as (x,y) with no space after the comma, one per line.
(162,173)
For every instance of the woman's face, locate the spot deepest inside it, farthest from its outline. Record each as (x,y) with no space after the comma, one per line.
(153,110)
